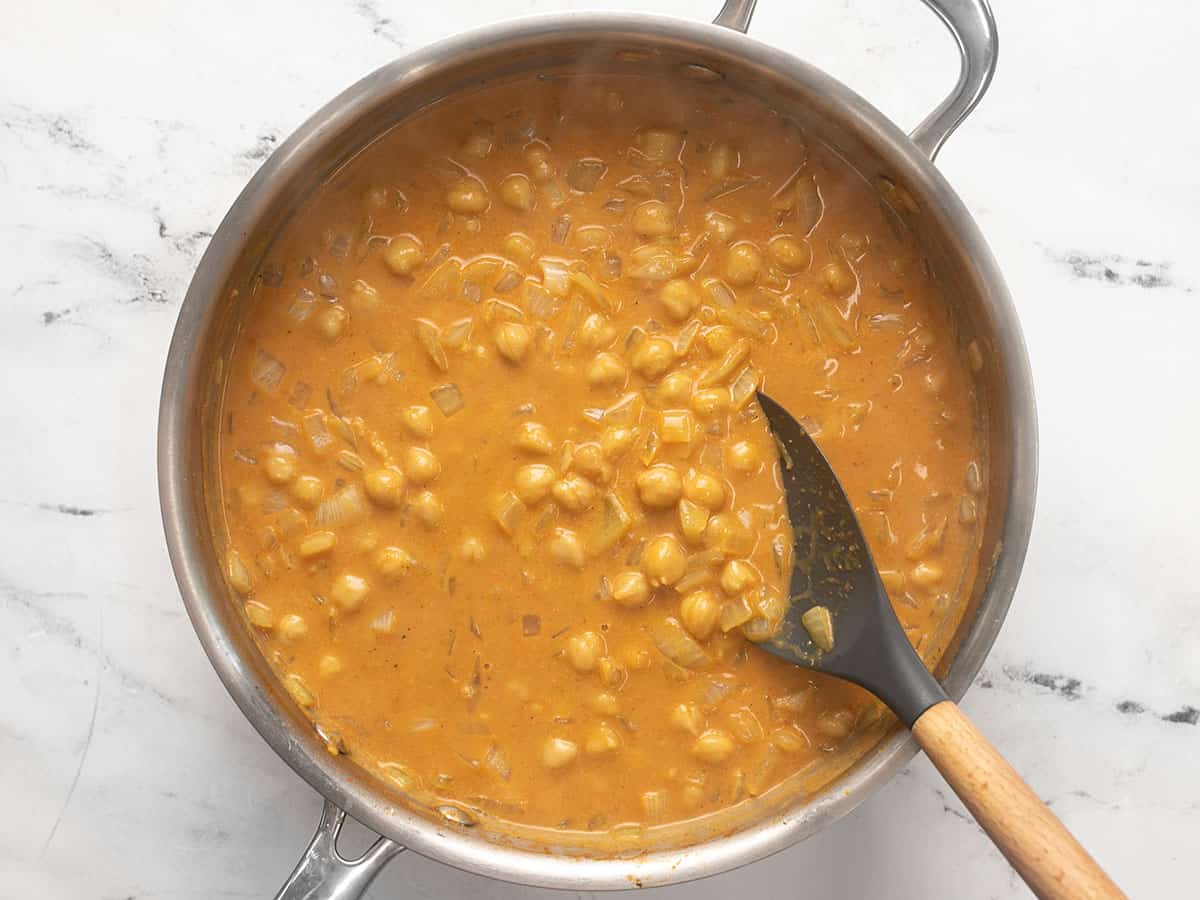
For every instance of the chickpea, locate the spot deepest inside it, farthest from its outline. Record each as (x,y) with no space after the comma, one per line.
(537,159)
(675,388)
(467,196)
(393,562)
(349,592)
(429,509)
(652,219)
(719,338)
(839,279)
(385,486)
(558,753)
(743,456)
(743,263)
(418,420)
(316,543)
(584,651)
(519,247)
(573,492)
(329,666)
(472,549)
(604,704)
(726,532)
(596,332)
(280,465)
(292,627)
(738,576)
(652,357)
(680,298)
(616,440)
(704,489)
(533,482)
(711,402)
(308,490)
(421,465)
(513,340)
(699,612)
(664,560)
(714,746)
(517,192)
(606,370)
(403,254)
(790,254)
(363,298)
(533,437)
(631,590)
(566,547)
(659,486)
(332,321)
(589,460)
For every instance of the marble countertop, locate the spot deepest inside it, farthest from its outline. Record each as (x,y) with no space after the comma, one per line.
(126,130)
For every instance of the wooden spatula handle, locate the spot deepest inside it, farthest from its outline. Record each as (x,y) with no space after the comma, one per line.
(1033,840)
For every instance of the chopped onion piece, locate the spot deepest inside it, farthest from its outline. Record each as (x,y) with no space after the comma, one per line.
(542,304)
(743,387)
(497,763)
(686,337)
(590,290)
(727,186)
(614,205)
(267,372)
(809,206)
(734,613)
(531,625)
(303,305)
(614,524)
(560,229)
(456,815)
(744,321)
(508,510)
(345,507)
(719,293)
(449,398)
(456,333)
(427,334)
(818,622)
(674,642)
(585,174)
(510,280)
(610,268)
(385,623)
(318,435)
(554,276)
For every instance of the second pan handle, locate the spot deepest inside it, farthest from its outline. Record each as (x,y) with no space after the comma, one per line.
(973,28)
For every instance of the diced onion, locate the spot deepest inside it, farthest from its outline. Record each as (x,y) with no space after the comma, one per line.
(673,642)
(267,371)
(449,398)
(585,174)
(345,507)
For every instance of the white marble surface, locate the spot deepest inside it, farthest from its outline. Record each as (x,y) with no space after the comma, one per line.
(127,129)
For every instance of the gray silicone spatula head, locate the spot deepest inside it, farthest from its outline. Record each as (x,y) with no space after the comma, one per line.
(839,619)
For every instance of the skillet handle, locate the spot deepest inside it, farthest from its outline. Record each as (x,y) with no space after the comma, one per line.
(324,874)
(1037,844)
(973,28)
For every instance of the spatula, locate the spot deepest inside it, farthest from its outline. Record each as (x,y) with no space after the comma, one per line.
(841,622)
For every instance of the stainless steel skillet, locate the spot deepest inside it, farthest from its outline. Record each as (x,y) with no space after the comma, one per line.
(900,166)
